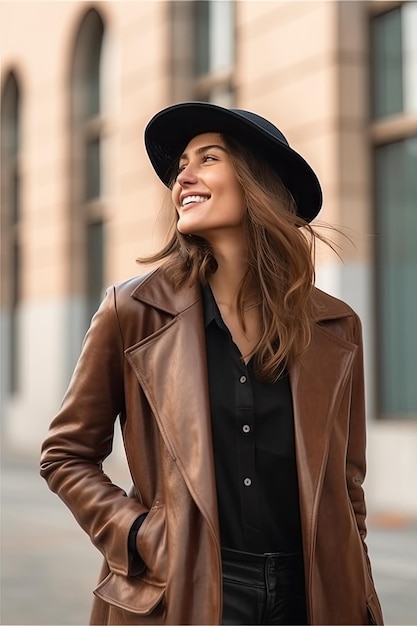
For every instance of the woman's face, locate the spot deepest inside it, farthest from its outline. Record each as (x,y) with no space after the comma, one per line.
(206,193)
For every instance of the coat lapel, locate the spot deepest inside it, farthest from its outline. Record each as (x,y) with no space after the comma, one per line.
(171,367)
(318,381)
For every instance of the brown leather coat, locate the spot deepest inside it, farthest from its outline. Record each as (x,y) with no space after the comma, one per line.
(144,359)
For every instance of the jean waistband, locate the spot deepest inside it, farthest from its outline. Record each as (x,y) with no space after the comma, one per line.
(259,559)
(280,569)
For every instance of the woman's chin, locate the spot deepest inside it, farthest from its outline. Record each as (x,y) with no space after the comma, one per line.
(183,229)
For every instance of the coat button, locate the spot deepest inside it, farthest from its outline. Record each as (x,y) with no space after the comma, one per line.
(247,482)
(242,379)
(246,428)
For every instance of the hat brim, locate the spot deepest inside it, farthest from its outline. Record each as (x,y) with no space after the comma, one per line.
(170,130)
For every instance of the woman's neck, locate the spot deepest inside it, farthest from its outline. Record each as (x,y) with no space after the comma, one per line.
(226,281)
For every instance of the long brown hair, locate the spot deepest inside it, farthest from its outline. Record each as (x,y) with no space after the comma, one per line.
(280,263)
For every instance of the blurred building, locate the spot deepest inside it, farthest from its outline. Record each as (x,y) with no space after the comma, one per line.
(80,201)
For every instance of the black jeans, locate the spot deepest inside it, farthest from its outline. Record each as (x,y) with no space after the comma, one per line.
(263,589)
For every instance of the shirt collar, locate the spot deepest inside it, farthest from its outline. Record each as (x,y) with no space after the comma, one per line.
(210,308)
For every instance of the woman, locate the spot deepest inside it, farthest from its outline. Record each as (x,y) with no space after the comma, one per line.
(239,388)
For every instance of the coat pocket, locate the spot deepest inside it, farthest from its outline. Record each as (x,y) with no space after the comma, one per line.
(133,594)
(151,543)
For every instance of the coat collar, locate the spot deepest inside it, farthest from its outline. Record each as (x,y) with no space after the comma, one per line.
(156,291)
(327,307)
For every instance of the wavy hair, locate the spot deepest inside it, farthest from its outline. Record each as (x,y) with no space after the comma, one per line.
(280,263)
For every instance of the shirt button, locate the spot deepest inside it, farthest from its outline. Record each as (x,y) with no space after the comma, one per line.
(247,482)
(242,379)
(246,428)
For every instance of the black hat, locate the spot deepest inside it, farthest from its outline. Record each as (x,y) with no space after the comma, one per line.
(170,130)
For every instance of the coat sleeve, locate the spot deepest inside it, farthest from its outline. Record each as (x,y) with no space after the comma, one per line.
(356,458)
(81,437)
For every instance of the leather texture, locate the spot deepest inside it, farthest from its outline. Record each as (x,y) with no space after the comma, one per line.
(143,360)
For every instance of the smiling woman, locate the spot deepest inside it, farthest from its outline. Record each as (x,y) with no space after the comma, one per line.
(239,389)
(246,215)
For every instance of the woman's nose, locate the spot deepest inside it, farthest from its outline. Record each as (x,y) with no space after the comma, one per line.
(187,175)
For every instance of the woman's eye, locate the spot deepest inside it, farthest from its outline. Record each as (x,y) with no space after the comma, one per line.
(206,158)
(209,157)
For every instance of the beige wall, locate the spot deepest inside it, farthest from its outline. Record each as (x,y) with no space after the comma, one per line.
(304,65)
(141,33)
(288,73)
(37,44)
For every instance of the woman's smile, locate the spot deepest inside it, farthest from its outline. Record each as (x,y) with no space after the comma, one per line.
(191,199)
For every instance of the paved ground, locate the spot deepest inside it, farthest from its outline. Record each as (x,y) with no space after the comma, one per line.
(48,566)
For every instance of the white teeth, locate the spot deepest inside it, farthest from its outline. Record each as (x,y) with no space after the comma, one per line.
(190,199)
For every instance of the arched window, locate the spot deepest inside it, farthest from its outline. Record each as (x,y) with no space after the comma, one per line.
(87,202)
(10,229)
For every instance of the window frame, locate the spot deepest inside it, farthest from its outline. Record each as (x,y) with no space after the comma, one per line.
(87,125)
(217,86)
(11,218)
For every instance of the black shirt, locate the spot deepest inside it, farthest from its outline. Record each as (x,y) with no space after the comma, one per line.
(254,451)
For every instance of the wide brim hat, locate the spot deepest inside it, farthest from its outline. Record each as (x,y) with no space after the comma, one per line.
(169,131)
